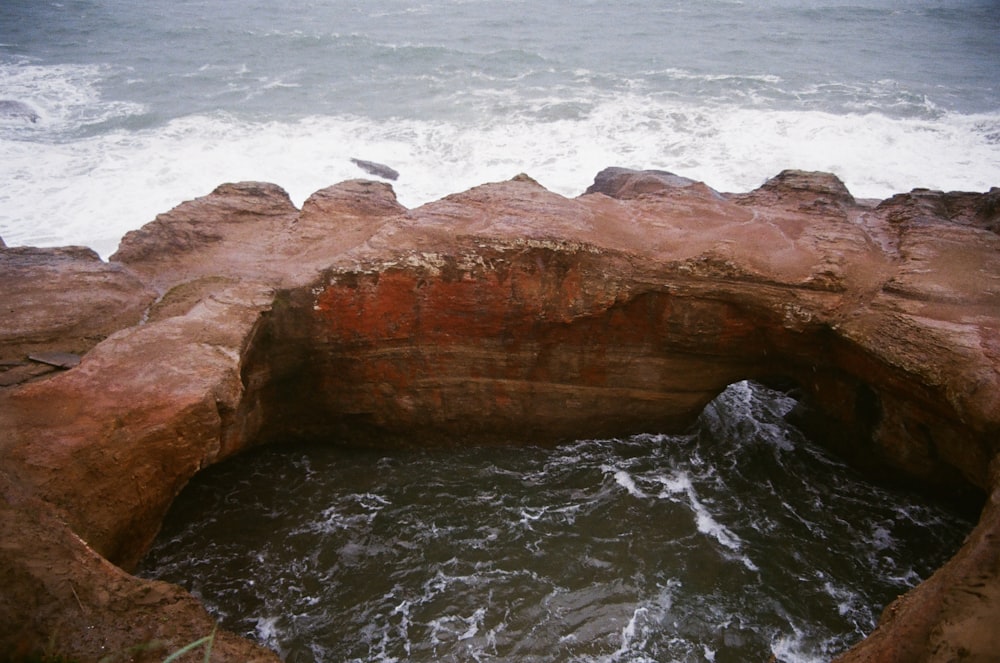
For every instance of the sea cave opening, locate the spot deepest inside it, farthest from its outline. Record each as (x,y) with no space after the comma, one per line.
(510,454)
(738,539)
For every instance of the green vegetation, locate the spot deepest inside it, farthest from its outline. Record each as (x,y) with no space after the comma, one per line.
(205,642)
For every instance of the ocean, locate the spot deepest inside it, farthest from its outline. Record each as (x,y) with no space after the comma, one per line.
(112,111)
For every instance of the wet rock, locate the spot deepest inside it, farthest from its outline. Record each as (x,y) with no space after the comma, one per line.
(960,207)
(65,360)
(503,314)
(14,109)
(376,169)
(63,300)
(627,183)
(804,192)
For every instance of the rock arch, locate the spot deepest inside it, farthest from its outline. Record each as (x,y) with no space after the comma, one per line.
(500,314)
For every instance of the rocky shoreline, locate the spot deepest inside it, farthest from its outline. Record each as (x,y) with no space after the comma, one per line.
(237,319)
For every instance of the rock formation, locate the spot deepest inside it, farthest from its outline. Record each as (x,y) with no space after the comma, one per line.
(14,109)
(503,314)
(376,169)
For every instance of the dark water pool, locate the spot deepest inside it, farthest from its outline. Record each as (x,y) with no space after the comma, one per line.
(736,542)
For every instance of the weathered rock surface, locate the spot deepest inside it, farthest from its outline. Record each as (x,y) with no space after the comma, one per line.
(503,314)
(61,300)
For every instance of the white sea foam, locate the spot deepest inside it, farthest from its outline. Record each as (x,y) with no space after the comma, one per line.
(629,634)
(680,482)
(645,622)
(881,538)
(625,480)
(575,589)
(65,96)
(846,600)
(90,190)
(795,648)
(530,515)
(456,627)
(473,622)
(267,631)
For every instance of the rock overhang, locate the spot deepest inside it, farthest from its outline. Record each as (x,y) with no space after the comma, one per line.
(497,313)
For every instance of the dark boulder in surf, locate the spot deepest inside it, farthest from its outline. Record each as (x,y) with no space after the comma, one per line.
(13,109)
(376,169)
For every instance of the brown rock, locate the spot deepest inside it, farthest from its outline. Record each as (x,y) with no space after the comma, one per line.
(61,300)
(968,209)
(625,183)
(806,190)
(227,234)
(251,231)
(60,596)
(503,314)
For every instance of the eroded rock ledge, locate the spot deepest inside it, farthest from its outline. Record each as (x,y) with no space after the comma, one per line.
(504,314)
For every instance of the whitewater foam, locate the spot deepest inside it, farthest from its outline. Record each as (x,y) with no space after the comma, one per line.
(625,480)
(84,189)
(705,522)
(548,554)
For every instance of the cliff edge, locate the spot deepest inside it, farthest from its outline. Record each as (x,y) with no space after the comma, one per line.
(237,319)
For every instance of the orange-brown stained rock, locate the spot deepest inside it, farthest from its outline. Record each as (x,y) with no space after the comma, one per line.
(504,314)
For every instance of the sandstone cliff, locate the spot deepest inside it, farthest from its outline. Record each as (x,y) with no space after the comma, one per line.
(236,319)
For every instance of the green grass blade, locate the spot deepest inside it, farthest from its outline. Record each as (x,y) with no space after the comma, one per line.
(206,642)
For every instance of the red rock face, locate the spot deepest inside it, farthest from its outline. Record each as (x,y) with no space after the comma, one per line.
(507,315)
(539,344)
(517,345)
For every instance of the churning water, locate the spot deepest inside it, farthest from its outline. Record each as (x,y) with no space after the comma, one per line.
(141,105)
(735,542)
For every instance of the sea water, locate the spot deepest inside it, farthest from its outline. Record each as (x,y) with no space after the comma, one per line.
(141,105)
(737,541)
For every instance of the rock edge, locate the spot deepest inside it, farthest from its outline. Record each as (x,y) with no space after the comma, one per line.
(235,318)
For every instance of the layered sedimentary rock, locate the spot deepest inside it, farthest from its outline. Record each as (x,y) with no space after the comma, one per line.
(505,314)
(61,300)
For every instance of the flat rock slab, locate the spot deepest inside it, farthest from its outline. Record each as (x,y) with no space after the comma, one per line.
(65,360)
